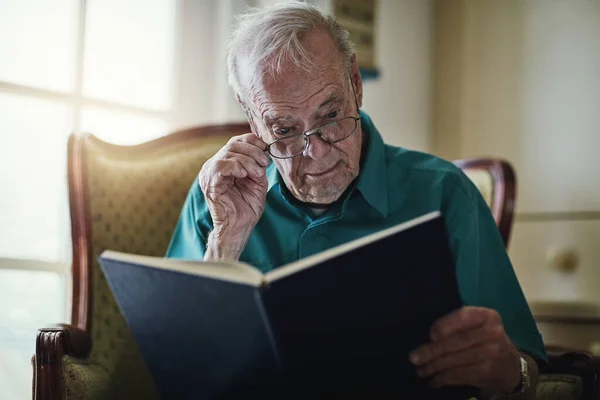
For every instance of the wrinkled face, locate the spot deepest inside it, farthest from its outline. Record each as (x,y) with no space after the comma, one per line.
(298,101)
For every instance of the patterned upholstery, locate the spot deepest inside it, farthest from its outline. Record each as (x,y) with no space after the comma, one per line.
(135,200)
(484,182)
(560,386)
(84,380)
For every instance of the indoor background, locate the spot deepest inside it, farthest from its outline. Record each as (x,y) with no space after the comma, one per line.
(516,79)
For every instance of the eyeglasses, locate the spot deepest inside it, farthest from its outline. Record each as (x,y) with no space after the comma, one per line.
(331,132)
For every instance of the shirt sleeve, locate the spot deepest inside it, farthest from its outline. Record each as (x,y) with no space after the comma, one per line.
(191,232)
(484,271)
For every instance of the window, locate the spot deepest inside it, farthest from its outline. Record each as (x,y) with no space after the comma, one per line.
(100,66)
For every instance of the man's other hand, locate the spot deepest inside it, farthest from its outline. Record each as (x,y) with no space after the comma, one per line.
(470,347)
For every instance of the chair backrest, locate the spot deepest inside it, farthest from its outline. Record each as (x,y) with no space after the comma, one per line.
(127,198)
(495,178)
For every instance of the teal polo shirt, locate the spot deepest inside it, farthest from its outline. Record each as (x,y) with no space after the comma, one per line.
(394,185)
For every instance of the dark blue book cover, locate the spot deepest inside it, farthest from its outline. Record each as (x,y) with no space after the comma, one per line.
(339,324)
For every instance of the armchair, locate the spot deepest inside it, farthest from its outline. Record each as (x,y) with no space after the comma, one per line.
(126,198)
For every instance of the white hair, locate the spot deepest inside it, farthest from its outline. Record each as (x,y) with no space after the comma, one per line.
(266,39)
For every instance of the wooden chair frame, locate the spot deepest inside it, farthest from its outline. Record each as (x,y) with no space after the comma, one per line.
(504,190)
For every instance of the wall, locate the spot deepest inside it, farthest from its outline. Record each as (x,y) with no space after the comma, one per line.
(203,96)
(398,101)
(194,89)
(520,80)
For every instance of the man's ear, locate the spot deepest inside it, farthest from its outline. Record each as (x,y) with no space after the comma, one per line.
(356,79)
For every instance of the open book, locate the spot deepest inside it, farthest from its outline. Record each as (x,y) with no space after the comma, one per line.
(341,322)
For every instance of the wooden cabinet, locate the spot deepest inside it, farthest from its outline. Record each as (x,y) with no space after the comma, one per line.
(573,325)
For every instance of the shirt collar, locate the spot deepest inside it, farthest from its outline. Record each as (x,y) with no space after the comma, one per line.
(273,176)
(371,181)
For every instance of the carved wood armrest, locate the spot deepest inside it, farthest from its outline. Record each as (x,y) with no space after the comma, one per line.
(51,345)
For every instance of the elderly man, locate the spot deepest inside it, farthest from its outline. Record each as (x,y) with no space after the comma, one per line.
(314,173)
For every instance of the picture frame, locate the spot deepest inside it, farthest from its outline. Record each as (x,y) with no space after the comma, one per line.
(359,18)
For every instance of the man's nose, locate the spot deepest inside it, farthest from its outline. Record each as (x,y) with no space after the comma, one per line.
(316,148)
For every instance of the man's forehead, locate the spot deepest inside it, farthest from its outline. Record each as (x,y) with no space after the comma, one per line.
(293,78)
(293,86)
(323,98)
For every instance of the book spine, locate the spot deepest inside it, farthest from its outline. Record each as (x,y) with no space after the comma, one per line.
(269,330)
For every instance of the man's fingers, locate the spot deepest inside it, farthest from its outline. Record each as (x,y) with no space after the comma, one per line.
(471,375)
(248,163)
(248,144)
(243,156)
(250,138)
(224,170)
(469,347)
(260,156)
(471,356)
(456,342)
(227,168)
(465,318)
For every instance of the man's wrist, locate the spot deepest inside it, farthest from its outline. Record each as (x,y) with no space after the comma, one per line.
(524,379)
(525,388)
(225,245)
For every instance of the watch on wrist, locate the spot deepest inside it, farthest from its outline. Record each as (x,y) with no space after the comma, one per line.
(525,383)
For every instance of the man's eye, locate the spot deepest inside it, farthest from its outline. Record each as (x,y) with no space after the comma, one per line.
(283,131)
(333,114)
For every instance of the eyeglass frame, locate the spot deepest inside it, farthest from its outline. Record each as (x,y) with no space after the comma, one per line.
(315,131)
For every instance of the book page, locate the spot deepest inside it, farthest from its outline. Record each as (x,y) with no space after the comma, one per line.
(232,271)
(307,262)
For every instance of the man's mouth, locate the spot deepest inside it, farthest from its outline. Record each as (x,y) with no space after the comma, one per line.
(324,172)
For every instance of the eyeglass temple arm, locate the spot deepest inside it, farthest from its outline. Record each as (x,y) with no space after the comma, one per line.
(354,93)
